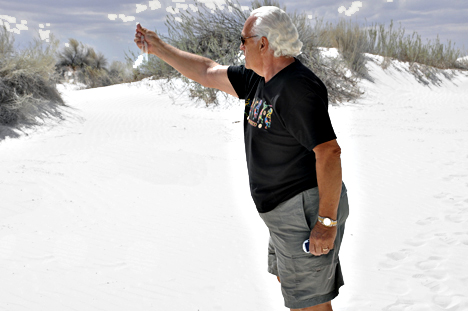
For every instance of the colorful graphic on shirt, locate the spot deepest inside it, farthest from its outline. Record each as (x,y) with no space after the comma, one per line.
(248,104)
(259,114)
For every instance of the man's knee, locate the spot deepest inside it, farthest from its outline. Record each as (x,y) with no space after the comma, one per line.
(321,307)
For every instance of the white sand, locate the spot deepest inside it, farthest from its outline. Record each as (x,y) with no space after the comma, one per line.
(135,203)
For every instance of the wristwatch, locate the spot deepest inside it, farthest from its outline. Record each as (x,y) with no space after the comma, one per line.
(327,222)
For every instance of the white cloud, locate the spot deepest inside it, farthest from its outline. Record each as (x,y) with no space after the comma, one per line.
(44,34)
(154,5)
(9,19)
(126,18)
(352,9)
(193,7)
(141,8)
(22,26)
(112,17)
(171,10)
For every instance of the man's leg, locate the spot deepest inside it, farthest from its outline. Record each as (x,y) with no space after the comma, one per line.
(306,280)
(322,307)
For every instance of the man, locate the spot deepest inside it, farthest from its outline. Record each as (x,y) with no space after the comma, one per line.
(292,155)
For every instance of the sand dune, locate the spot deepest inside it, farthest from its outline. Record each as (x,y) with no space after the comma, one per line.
(135,202)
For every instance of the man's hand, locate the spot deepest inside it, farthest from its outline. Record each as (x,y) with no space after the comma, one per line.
(195,67)
(322,239)
(150,37)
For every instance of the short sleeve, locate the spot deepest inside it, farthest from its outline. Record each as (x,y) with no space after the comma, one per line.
(307,119)
(236,75)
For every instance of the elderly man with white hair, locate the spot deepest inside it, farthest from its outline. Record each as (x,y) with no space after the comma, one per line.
(292,155)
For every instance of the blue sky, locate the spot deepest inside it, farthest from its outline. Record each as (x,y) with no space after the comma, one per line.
(89,22)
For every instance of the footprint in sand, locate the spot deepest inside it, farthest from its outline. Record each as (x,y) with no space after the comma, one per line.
(455,176)
(432,282)
(442,301)
(419,240)
(446,240)
(455,218)
(427,221)
(395,259)
(452,303)
(407,305)
(430,264)
(441,195)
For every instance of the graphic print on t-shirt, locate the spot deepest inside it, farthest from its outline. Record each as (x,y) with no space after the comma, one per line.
(260,114)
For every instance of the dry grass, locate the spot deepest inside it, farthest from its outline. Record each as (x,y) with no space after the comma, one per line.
(27,81)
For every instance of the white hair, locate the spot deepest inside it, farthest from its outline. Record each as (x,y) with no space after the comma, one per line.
(274,24)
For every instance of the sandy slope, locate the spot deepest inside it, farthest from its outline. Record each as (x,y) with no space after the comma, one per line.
(135,203)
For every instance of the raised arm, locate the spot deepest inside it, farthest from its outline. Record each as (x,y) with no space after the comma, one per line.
(200,69)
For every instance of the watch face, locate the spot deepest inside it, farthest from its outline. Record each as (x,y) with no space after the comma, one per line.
(327,222)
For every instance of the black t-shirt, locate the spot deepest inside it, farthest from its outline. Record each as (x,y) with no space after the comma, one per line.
(284,120)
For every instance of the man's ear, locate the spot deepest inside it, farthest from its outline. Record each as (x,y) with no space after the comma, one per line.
(264,43)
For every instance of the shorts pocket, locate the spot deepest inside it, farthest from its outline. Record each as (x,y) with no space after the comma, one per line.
(288,226)
(313,278)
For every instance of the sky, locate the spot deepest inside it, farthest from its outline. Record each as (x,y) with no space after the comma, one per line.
(108,26)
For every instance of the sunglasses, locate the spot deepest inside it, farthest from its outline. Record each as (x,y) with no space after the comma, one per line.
(243,39)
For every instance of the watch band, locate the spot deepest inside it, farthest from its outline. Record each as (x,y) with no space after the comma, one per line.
(327,222)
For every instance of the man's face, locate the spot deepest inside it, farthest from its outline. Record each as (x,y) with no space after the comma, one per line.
(251,46)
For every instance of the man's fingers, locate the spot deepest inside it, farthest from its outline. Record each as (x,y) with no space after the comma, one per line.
(315,250)
(141,29)
(318,250)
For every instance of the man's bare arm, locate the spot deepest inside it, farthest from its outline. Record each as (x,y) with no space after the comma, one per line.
(329,179)
(197,68)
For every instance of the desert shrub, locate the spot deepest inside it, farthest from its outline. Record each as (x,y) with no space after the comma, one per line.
(189,32)
(154,67)
(462,63)
(392,42)
(86,65)
(27,81)
(120,72)
(74,56)
(351,42)
(339,75)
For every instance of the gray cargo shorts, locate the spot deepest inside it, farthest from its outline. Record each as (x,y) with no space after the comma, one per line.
(306,280)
